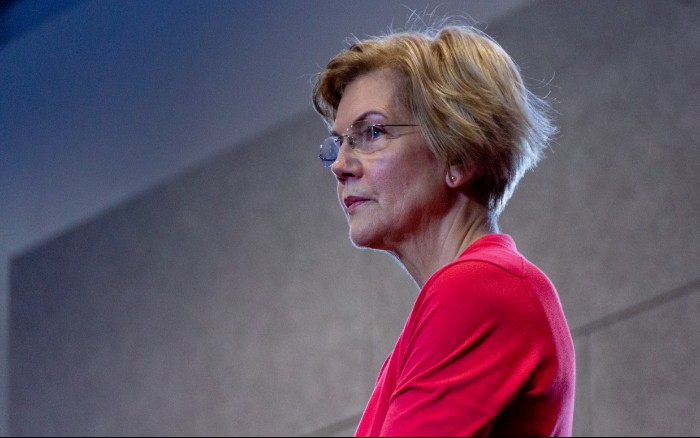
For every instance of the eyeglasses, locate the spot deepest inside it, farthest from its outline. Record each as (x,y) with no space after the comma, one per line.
(363,136)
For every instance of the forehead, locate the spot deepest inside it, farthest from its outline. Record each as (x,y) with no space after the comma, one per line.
(373,95)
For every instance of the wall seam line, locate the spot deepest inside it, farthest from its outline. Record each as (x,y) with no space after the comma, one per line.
(636,309)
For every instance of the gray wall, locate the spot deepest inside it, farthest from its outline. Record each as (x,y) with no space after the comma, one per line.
(227,300)
(100,101)
(612,213)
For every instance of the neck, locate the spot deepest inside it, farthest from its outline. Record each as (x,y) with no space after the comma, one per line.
(444,241)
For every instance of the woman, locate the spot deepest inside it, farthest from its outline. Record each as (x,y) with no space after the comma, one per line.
(430,133)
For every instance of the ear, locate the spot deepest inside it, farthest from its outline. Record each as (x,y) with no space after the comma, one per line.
(457,176)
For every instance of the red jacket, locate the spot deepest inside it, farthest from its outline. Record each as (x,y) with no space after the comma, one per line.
(486,350)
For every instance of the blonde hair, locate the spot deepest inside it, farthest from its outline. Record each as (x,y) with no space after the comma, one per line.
(466,94)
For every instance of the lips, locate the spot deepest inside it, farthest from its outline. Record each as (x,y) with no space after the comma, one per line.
(352,202)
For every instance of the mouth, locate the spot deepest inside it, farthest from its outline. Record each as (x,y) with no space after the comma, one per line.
(353,202)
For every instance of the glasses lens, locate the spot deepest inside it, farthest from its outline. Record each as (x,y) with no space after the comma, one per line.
(364,135)
(329,150)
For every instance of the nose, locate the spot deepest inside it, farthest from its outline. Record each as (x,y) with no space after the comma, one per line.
(347,164)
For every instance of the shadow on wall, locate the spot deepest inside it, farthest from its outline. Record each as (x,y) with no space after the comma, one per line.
(19,16)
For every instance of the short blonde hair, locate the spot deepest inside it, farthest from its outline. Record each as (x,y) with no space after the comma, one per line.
(467,95)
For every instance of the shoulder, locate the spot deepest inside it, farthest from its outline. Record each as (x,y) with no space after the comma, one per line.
(493,281)
(473,284)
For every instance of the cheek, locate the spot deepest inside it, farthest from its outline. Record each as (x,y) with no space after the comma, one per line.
(388,184)
(405,180)
(417,194)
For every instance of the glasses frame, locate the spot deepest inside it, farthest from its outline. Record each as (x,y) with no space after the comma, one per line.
(335,142)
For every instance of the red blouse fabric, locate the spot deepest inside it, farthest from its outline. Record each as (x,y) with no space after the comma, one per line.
(486,350)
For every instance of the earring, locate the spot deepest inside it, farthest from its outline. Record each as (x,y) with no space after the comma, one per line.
(453,178)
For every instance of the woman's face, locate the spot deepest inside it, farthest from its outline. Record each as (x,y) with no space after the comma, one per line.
(394,195)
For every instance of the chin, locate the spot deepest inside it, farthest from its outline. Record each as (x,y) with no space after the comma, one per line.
(369,239)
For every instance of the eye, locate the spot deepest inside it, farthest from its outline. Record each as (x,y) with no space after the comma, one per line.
(376,131)
(372,132)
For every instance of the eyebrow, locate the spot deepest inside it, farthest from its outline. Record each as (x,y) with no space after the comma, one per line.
(362,117)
